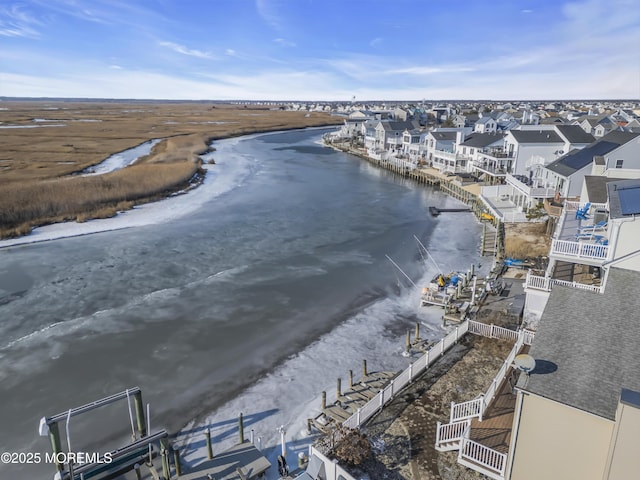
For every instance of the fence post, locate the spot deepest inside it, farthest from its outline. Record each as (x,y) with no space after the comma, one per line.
(391,388)
(437,433)
(358,416)
(381,398)
(491,333)
(451,412)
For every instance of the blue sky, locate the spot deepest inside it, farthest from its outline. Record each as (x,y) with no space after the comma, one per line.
(320,49)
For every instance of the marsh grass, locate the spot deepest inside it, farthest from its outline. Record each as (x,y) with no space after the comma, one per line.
(37,165)
(26,205)
(527,240)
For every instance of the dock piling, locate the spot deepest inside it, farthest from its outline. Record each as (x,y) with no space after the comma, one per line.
(139,407)
(240,429)
(324,400)
(417,335)
(176,460)
(364,368)
(339,389)
(350,378)
(207,435)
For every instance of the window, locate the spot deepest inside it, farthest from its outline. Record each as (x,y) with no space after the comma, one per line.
(619,163)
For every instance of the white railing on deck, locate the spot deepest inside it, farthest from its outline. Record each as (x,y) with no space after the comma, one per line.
(579,249)
(545,283)
(425,361)
(482,459)
(466,410)
(449,435)
(491,392)
(492,331)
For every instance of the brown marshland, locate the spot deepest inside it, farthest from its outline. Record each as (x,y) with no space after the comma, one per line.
(38,164)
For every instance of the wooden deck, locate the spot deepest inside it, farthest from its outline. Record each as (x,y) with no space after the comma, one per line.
(495,429)
(244,457)
(351,399)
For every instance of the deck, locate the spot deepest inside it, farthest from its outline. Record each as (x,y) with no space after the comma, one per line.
(495,429)
(351,399)
(244,457)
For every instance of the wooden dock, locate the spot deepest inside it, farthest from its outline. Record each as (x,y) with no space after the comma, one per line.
(237,463)
(348,402)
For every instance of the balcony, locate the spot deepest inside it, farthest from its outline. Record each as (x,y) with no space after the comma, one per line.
(450,156)
(495,153)
(545,284)
(480,429)
(585,252)
(492,168)
(530,188)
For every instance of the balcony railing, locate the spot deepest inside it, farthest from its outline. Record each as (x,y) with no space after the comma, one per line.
(581,250)
(449,155)
(482,459)
(545,284)
(530,191)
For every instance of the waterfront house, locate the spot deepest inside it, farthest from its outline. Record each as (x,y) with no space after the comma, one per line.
(441,146)
(577,415)
(525,152)
(617,149)
(591,236)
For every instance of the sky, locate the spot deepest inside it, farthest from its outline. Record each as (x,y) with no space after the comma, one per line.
(332,50)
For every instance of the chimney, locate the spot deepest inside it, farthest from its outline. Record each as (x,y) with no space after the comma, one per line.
(459,137)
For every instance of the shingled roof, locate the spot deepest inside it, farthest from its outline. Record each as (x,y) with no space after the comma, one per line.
(536,136)
(578,159)
(575,134)
(480,140)
(586,346)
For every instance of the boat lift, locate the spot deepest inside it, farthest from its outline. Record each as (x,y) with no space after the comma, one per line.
(105,467)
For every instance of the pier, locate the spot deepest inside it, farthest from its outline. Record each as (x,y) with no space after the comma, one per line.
(350,400)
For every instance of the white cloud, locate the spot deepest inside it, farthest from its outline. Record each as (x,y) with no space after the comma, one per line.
(284,42)
(176,47)
(375,42)
(525,11)
(269,11)
(15,22)
(115,67)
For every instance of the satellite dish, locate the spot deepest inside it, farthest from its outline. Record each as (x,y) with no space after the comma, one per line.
(525,363)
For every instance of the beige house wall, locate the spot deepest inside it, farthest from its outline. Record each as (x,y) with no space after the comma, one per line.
(624,454)
(555,441)
(628,234)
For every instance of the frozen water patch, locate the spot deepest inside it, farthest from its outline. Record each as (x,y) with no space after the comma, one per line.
(121,160)
(227,174)
(291,393)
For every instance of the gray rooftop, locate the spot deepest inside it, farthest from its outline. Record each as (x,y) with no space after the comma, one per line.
(439,135)
(575,134)
(480,140)
(578,159)
(624,198)
(597,187)
(586,346)
(536,136)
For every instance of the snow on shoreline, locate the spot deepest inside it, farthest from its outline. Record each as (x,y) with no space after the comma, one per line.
(220,178)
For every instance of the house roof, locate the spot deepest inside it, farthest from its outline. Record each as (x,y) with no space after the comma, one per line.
(597,187)
(480,140)
(536,136)
(575,134)
(578,159)
(483,120)
(398,126)
(438,135)
(586,345)
(624,198)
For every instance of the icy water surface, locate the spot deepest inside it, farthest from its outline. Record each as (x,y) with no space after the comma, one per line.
(255,299)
